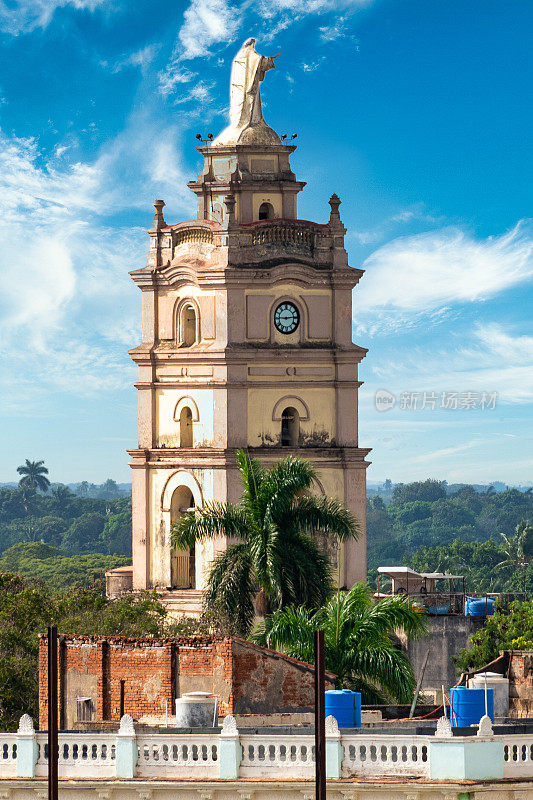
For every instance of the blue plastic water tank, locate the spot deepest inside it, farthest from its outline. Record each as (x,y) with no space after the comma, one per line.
(345,706)
(468,706)
(479,606)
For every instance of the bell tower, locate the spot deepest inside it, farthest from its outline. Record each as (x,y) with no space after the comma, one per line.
(246,320)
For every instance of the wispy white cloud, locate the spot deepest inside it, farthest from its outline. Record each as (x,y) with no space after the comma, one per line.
(68,310)
(173,75)
(200,93)
(207,22)
(312,66)
(487,358)
(425,273)
(142,58)
(23,16)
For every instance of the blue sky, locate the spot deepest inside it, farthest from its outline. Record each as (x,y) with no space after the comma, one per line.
(417,114)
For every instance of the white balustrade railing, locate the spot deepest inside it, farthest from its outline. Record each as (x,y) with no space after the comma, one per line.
(385,755)
(178,756)
(8,755)
(290,756)
(518,756)
(81,755)
(231,754)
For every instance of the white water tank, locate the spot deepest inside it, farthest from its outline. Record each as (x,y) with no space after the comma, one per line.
(196,710)
(501,690)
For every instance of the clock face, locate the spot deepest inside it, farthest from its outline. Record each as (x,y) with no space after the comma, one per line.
(286,318)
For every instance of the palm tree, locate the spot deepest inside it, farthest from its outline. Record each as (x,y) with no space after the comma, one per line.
(276,525)
(34,476)
(358,637)
(518,550)
(62,497)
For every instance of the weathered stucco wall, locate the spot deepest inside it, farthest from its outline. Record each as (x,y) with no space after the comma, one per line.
(448,636)
(267,682)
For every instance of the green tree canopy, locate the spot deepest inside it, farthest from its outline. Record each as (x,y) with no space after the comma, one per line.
(429,490)
(501,631)
(84,533)
(55,568)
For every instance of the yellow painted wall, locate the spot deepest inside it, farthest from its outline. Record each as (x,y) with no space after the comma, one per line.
(168,428)
(262,429)
(290,291)
(274,198)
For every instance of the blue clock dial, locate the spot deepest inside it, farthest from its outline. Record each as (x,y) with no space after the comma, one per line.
(286,318)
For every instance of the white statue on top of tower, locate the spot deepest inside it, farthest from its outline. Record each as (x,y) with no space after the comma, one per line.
(245,113)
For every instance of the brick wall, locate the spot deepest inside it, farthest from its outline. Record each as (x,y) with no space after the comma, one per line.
(245,678)
(521,683)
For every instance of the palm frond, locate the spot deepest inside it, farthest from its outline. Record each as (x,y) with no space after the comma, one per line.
(209,522)
(322,515)
(395,613)
(285,481)
(305,576)
(252,477)
(231,588)
(291,631)
(388,667)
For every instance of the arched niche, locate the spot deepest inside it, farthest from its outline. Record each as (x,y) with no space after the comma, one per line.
(180,478)
(266,211)
(182,561)
(186,414)
(290,401)
(290,427)
(190,403)
(188,322)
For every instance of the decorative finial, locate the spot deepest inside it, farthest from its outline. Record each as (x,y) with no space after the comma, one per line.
(159,220)
(332,726)
(229,726)
(334,202)
(26,724)
(127,727)
(444,729)
(485,726)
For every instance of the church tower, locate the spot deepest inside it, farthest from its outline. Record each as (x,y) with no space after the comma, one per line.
(246,343)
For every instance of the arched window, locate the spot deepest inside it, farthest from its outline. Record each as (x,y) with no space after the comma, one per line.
(185,427)
(188,325)
(182,562)
(266,211)
(290,427)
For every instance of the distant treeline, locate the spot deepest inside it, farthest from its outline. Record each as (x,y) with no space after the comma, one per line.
(63,519)
(463,532)
(108,490)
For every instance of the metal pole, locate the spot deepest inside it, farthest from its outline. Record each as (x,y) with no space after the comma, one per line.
(418,686)
(320,718)
(53,744)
